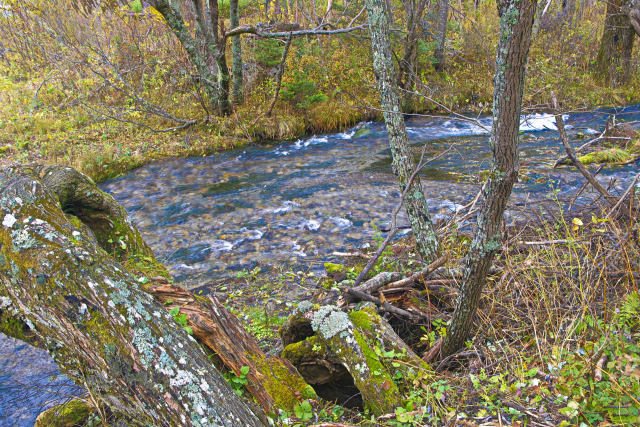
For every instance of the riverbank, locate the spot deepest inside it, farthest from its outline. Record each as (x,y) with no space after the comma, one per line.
(558,329)
(328,86)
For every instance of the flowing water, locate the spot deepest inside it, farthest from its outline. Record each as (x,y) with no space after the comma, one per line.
(295,203)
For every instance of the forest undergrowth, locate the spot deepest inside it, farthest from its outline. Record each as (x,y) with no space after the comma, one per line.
(558,330)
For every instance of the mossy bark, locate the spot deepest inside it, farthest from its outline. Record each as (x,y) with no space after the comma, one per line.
(70,414)
(516,22)
(101,328)
(273,382)
(402,162)
(323,342)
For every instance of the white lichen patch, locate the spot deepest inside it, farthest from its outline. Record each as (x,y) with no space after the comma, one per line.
(8,221)
(329,321)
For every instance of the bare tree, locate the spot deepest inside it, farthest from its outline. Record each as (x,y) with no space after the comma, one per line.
(516,22)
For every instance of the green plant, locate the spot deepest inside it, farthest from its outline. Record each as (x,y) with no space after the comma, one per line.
(237,382)
(181,318)
(303,411)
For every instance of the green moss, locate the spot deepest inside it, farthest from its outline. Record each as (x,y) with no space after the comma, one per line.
(283,383)
(13,327)
(380,381)
(73,413)
(307,349)
(146,266)
(332,268)
(363,318)
(610,155)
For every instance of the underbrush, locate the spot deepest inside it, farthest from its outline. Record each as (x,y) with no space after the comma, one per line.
(558,331)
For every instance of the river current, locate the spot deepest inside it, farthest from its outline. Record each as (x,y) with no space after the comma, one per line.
(296,203)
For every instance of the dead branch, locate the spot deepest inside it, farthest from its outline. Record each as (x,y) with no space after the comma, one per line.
(574,159)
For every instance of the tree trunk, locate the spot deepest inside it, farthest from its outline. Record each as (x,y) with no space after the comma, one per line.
(441,33)
(516,21)
(101,328)
(236,53)
(408,64)
(613,64)
(273,382)
(215,86)
(632,9)
(403,163)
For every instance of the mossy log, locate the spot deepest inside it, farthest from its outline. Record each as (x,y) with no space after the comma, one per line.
(274,382)
(91,314)
(383,368)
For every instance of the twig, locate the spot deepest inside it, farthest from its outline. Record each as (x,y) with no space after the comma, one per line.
(573,200)
(572,155)
(383,304)
(624,196)
(283,61)
(424,272)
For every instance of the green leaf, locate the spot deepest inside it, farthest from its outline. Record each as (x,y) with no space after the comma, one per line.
(244,370)
(174,311)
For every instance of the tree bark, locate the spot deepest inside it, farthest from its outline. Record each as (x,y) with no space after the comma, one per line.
(323,342)
(236,53)
(613,64)
(441,34)
(101,328)
(402,162)
(408,71)
(516,21)
(274,382)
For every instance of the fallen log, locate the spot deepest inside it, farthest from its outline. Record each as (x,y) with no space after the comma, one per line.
(273,382)
(324,341)
(100,327)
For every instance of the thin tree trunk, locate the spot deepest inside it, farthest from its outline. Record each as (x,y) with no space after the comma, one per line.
(407,69)
(208,80)
(516,21)
(613,64)
(402,163)
(217,49)
(101,328)
(441,33)
(236,52)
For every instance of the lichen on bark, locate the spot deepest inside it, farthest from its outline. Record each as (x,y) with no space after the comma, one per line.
(90,313)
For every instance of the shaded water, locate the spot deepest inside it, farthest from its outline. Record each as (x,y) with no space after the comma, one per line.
(296,203)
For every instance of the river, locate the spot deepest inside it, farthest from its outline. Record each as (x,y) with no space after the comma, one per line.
(295,203)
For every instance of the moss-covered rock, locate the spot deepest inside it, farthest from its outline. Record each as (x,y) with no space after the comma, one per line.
(73,413)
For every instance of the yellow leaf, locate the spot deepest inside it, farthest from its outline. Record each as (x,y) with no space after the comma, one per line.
(577,222)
